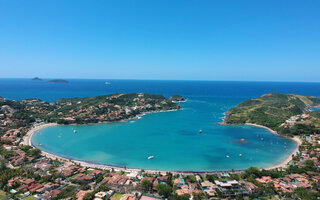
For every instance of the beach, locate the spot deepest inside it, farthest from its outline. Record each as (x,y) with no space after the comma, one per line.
(28,136)
(27,141)
(284,163)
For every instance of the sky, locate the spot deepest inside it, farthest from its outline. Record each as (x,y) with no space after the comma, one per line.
(257,40)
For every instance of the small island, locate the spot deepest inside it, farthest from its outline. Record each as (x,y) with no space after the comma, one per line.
(177,98)
(36,79)
(58,81)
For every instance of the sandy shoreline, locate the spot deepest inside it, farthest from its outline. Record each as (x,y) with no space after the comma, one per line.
(28,136)
(284,163)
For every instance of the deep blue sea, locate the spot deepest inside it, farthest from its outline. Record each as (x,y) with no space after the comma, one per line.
(171,137)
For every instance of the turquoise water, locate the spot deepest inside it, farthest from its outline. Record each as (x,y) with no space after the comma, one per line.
(172,138)
(314,109)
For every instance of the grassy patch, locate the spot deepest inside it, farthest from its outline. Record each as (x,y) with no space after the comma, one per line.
(3,195)
(117,196)
(30,198)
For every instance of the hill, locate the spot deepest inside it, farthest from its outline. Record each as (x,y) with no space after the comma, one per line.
(271,110)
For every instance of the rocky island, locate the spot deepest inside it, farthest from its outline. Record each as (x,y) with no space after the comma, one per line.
(58,81)
(177,98)
(36,79)
(287,114)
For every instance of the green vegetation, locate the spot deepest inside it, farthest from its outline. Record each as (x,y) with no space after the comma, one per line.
(3,195)
(146,185)
(67,192)
(30,198)
(164,190)
(271,110)
(117,196)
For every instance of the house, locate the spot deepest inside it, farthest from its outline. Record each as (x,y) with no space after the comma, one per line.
(100,195)
(264,179)
(148,198)
(227,184)
(128,197)
(316,179)
(83,177)
(178,182)
(207,185)
(51,194)
(95,173)
(181,192)
(250,187)
(82,193)
(150,179)
(117,179)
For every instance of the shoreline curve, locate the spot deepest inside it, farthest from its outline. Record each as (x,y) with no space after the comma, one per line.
(27,141)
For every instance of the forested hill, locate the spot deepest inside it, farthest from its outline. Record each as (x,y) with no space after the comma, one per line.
(272,110)
(106,108)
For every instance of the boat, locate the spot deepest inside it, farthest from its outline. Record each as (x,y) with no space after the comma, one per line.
(150,157)
(40,144)
(107,83)
(227,156)
(240,155)
(200,131)
(59,136)
(74,131)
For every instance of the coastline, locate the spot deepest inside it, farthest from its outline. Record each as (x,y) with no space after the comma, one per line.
(285,162)
(27,137)
(27,141)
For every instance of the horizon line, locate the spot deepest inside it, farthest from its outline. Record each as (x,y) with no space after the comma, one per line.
(131,79)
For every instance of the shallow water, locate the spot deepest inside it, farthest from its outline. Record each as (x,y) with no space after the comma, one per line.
(171,137)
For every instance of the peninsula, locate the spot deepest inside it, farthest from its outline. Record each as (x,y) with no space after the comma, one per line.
(105,108)
(287,114)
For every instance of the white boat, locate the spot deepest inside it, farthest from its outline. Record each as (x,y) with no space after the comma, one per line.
(150,157)
(74,131)
(200,131)
(40,144)
(107,83)
(227,156)
(240,155)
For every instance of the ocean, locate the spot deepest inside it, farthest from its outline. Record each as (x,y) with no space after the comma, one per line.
(171,137)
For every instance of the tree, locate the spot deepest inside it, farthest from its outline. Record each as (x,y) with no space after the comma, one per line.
(309,163)
(182,197)
(191,179)
(89,196)
(164,190)
(35,153)
(146,185)
(253,171)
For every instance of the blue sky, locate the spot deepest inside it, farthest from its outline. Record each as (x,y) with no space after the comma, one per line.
(254,40)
